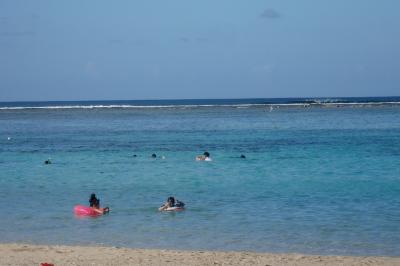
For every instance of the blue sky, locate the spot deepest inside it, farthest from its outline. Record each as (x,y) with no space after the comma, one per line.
(179,49)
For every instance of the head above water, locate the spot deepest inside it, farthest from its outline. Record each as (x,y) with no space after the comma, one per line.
(153,155)
(171,200)
(242,156)
(206,154)
(94,202)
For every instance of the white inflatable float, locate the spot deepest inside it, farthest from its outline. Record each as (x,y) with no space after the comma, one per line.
(172,209)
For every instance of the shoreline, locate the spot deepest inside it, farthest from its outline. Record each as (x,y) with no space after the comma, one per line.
(28,254)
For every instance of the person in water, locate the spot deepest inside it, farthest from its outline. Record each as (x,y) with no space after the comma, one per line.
(171,203)
(95,205)
(204,157)
(154,156)
(47,161)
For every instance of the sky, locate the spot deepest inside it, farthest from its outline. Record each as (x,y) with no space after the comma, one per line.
(180,49)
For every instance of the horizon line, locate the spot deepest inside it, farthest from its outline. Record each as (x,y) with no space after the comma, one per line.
(186,99)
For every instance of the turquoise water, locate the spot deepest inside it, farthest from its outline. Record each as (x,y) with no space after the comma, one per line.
(316,180)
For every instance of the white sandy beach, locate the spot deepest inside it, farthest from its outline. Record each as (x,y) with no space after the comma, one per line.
(21,254)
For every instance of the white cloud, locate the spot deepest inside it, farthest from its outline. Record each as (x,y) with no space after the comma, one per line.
(263,69)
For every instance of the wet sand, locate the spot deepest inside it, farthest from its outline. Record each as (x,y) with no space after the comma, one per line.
(21,254)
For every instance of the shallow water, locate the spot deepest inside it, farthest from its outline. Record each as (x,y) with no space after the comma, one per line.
(315,180)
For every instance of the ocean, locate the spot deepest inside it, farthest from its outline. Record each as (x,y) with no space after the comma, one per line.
(321,176)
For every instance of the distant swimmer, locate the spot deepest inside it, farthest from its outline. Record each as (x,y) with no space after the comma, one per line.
(95,205)
(134,155)
(204,157)
(153,155)
(243,156)
(172,205)
(47,161)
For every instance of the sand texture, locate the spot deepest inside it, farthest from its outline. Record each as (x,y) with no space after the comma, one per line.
(20,254)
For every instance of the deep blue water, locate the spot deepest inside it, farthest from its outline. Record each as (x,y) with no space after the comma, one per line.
(320,180)
(201,102)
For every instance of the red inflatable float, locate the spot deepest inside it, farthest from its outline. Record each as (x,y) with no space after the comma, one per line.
(81,210)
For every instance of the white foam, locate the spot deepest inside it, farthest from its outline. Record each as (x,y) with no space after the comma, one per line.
(126,106)
(188,106)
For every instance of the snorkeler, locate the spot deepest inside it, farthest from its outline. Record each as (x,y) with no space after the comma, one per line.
(171,203)
(204,157)
(95,205)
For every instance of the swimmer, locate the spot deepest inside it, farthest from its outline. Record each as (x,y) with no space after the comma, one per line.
(171,203)
(134,155)
(47,161)
(243,156)
(95,205)
(154,156)
(204,157)
(9,138)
